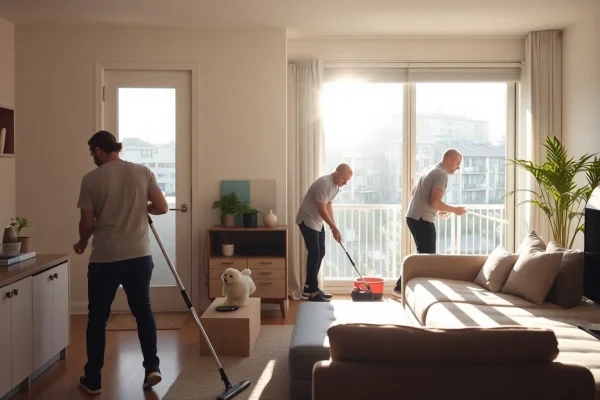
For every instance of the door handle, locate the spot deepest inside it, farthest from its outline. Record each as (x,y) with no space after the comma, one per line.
(183,208)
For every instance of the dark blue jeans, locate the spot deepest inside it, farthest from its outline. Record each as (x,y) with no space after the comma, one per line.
(315,244)
(103,282)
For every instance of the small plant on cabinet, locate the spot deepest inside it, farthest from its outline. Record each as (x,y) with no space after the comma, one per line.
(18,224)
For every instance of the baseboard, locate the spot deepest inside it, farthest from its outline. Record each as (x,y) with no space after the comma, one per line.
(79,307)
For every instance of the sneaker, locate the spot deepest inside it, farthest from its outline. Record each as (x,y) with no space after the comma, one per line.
(398,291)
(318,297)
(306,294)
(151,379)
(89,386)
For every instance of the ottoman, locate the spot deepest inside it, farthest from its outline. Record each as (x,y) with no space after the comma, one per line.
(310,344)
(232,333)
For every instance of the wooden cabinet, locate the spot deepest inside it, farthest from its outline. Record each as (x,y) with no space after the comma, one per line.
(16,352)
(34,319)
(50,314)
(263,250)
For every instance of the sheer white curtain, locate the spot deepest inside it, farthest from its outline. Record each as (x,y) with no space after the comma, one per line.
(305,156)
(541,108)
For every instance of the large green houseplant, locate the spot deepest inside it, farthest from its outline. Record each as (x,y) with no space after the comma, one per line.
(559,196)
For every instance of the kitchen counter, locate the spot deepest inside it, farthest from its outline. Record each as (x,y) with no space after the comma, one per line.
(13,273)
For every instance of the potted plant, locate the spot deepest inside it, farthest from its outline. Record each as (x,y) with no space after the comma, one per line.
(18,224)
(227,248)
(250,215)
(559,197)
(229,205)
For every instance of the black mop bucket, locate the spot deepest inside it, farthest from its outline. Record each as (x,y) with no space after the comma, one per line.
(358,293)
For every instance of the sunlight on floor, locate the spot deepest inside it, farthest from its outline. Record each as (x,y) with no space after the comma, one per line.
(263,381)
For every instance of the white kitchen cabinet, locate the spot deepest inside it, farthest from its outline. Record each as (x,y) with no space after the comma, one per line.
(50,314)
(16,360)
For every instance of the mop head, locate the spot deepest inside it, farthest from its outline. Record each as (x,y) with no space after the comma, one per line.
(362,295)
(234,390)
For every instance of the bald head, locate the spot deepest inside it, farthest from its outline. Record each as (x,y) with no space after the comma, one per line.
(342,174)
(451,160)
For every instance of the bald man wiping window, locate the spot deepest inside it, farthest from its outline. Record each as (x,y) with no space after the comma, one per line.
(426,203)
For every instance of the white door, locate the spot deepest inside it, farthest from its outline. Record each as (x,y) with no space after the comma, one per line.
(150,113)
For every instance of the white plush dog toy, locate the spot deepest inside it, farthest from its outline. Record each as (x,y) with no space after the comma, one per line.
(237,287)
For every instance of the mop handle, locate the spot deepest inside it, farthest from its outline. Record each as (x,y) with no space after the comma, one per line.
(356,269)
(186,298)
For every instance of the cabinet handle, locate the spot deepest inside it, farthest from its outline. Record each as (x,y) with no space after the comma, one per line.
(266,262)
(265,273)
(265,283)
(56,275)
(16,292)
(226,262)
(51,277)
(9,294)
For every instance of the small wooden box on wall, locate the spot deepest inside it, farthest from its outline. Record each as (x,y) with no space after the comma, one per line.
(263,250)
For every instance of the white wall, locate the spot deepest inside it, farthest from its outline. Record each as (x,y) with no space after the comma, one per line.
(7,99)
(581,91)
(242,120)
(408,49)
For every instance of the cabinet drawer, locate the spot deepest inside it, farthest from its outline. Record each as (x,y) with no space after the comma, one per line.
(257,273)
(225,262)
(266,262)
(265,288)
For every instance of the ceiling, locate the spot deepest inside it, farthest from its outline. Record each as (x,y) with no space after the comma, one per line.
(315,17)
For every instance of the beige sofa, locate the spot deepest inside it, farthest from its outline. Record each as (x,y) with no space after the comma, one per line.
(440,292)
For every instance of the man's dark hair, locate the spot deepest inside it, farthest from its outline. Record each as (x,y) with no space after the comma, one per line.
(106,141)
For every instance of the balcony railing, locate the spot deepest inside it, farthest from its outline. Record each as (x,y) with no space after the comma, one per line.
(372,234)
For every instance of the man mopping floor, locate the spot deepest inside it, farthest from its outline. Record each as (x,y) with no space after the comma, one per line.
(114,208)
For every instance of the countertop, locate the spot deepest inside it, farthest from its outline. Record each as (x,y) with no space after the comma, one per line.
(13,273)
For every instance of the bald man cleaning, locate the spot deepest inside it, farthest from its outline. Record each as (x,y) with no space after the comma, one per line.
(426,203)
(316,210)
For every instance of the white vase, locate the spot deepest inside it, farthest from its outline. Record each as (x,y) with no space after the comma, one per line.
(227,250)
(270,220)
(229,220)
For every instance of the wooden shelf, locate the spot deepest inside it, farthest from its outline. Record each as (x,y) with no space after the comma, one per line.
(7,120)
(7,156)
(262,250)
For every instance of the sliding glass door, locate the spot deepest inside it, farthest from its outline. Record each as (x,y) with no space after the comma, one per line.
(389,125)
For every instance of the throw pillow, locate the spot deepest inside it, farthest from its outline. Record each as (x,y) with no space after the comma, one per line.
(532,241)
(533,274)
(496,269)
(567,289)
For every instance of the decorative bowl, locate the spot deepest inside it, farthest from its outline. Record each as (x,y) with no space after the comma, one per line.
(10,249)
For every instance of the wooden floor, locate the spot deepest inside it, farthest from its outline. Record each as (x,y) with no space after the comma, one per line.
(122,375)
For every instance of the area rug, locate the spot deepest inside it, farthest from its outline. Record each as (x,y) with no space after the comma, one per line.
(164,321)
(267,369)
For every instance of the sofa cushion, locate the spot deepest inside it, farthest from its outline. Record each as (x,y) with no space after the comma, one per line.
(496,269)
(533,274)
(532,241)
(574,344)
(422,293)
(567,289)
(399,344)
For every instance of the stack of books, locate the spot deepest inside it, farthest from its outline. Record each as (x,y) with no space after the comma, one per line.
(10,260)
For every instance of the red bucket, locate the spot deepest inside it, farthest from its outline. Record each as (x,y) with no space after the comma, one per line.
(375,283)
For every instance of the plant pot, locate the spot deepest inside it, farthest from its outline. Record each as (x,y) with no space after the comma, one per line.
(229,221)
(250,220)
(227,250)
(24,243)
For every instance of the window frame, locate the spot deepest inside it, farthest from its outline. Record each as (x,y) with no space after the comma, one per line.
(409,162)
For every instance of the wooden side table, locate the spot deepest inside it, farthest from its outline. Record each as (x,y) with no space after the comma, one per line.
(263,250)
(232,333)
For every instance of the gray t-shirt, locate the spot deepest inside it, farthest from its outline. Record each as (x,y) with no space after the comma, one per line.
(322,190)
(434,177)
(118,192)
